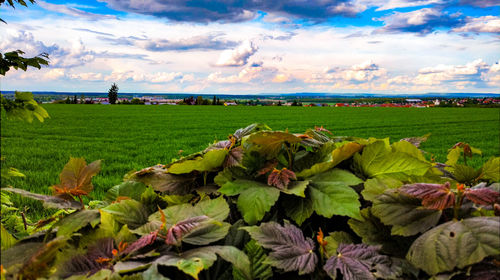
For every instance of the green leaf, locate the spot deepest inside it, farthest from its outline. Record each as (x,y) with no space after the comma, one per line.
(6,239)
(491,169)
(193,261)
(128,189)
(255,201)
(236,187)
(75,221)
(404,213)
(152,273)
(128,212)
(453,156)
(210,161)
(270,143)
(377,159)
(258,268)
(338,155)
(331,195)
(298,209)
(456,244)
(376,186)
(408,148)
(465,174)
(334,239)
(207,233)
(296,188)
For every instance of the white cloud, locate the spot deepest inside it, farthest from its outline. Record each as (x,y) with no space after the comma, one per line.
(238,56)
(485,24)
(451,73)
(54,74)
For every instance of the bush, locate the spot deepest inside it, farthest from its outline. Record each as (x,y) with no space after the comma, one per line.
(273,205)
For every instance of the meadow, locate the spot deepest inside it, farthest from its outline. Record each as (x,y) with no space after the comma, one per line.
(128,137)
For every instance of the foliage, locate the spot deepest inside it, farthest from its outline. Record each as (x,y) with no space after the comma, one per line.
(23,107)
(388,210)
(113,94)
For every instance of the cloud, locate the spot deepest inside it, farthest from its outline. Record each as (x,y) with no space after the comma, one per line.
(394,4)
(359,73)
(238,11)
(92,77)
(93,31)
(484,24)
(249,74)
(60,57)
(480,3)
(473,72)
(202,42)
(54,74)
(74,12)
(238,56)
(421,21)
(158,77)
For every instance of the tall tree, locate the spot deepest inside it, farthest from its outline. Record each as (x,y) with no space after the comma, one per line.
(113,94)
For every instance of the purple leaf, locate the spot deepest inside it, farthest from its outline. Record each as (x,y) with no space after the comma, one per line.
(177,231)
(234,157)
(140,243)
(356,262)
(483,196)
(434,196)
(290,250)
(91,261)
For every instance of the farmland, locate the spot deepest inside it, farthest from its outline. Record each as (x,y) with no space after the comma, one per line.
(128,137)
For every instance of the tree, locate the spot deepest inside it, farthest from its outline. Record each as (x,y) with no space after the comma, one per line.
(214,102)
(82,99)
(113,94)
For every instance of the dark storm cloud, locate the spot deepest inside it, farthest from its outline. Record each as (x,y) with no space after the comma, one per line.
(205,11)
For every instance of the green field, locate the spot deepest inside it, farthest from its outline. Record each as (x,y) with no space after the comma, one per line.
(130,137)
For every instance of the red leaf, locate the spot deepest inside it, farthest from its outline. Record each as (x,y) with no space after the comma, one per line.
(269,167)
(434,196)
(482,196)
(75,178)
(280,178)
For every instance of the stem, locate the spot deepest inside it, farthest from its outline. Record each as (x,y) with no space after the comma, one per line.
(24,221)
(465,159)
(290,158)
(205,175)
(81,201)
(458,204)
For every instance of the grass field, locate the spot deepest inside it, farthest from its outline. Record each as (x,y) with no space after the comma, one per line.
(130,137)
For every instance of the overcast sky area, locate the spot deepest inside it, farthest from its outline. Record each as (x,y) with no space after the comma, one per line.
(247,47)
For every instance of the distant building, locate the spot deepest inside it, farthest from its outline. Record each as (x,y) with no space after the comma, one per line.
(413,100)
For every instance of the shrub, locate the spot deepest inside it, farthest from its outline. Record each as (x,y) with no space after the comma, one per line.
(270,204)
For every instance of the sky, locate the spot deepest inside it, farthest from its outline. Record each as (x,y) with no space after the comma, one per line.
(252,47)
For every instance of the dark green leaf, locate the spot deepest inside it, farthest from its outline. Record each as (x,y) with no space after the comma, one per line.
(404,213)
(456,244)
(75,221)
(258,268)
(128,212)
